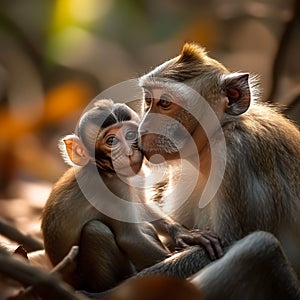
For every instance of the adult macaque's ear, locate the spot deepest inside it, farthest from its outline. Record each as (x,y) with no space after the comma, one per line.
(73,151)
(237,89)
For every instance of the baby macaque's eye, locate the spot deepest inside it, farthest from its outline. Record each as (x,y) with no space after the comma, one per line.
(131,135)
(112,141)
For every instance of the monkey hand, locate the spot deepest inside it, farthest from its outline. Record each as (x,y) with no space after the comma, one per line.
(206,239)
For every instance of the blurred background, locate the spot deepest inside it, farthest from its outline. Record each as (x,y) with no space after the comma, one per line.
(57,55)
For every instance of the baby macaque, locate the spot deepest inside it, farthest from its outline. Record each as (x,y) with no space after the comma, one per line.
(104,149)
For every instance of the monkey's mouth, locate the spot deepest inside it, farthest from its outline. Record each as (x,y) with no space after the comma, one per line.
(148,143)
(130,170)
(158,148)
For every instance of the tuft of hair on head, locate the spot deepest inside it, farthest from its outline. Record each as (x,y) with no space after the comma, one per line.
(192,62)
(103,104)
(192,52)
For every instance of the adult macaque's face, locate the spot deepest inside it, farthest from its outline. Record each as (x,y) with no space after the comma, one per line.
(165,126)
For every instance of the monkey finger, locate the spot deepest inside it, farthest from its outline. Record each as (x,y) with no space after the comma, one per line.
(215,242)
(207,245)
(185,241)
(181,243)
(205,233)
(209,234)
(206,240)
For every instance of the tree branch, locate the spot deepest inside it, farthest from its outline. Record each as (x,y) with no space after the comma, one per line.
(28,242)
(45,285)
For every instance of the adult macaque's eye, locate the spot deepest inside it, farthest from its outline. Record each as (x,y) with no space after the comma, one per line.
(165,101)
(131,135)
(112,141)
(147,98)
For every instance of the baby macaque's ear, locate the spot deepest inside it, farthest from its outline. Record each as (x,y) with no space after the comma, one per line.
(73,151)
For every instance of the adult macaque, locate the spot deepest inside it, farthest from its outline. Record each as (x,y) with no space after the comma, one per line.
(260,189)
(110,249)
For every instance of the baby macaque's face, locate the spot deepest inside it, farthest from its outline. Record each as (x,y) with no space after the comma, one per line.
(120,142)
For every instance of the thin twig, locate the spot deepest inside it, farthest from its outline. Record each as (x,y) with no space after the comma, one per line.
(60,268)
(45,285)
(12,233)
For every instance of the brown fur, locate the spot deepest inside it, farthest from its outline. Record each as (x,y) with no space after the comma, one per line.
(260,189)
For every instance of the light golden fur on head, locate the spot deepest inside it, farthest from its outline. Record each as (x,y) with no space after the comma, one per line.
(189,67)
(192,62)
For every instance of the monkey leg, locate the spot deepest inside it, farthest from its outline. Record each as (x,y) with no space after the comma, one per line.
(254,268)
(101,264)
(182,264)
